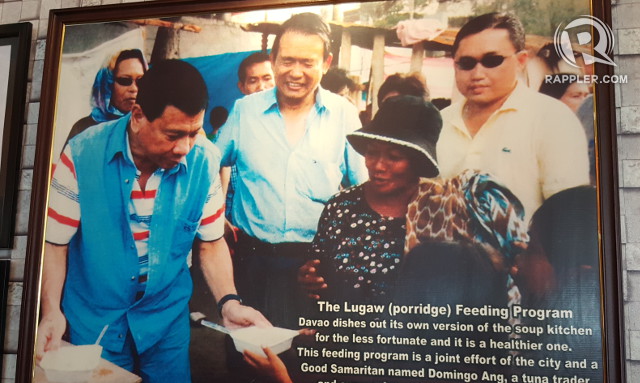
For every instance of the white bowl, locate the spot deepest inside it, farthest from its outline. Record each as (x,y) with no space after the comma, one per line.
(254,338)
(71,364)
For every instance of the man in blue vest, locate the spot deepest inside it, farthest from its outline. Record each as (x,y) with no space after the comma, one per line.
(128,200)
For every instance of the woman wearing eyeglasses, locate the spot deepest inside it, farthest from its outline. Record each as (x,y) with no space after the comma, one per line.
(114,89)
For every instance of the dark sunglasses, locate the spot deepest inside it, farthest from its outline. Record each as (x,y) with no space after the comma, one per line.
(487,61)
(127,81)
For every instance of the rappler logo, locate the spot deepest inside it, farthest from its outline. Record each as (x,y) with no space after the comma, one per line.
(603,44)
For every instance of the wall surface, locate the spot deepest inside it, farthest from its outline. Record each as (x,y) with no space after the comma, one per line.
(626,23)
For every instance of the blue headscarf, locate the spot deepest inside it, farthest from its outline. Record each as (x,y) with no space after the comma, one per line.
(497,214)
(471,207)
(102,110)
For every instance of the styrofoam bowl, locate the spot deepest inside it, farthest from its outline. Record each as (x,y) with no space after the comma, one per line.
(254,338)
(71,364)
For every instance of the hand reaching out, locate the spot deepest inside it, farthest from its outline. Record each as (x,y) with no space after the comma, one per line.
(271,366)
(50,331)
(235,315)
(309,279)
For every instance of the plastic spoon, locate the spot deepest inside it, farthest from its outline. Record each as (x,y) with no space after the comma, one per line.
(200,318)
(104,330)
(215,326)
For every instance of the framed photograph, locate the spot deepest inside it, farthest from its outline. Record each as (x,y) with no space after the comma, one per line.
(445,212)
(15,41)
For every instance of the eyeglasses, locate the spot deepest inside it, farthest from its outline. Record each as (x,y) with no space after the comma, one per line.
(487,61)
(127,81)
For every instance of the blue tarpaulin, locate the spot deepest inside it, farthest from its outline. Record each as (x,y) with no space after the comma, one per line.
(220,72)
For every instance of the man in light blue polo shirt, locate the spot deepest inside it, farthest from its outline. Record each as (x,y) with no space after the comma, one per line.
(289,146)
(129,198)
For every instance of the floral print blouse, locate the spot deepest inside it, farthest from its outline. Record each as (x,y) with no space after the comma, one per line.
(360,251)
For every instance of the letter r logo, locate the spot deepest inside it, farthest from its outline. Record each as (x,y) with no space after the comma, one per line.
(603,44)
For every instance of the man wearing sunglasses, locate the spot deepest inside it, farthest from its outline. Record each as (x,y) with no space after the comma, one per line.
(532,143)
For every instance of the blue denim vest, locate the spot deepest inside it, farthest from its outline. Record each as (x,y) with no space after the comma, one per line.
(102,273)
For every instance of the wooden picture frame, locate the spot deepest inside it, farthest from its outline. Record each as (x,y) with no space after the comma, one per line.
(102,30)
(15,40)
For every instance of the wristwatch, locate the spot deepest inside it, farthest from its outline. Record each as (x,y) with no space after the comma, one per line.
(227,298)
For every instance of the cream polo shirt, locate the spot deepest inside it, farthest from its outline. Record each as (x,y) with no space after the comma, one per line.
(533,144)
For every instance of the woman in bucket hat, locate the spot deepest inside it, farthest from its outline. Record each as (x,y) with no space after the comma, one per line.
(364,232)
(360,240)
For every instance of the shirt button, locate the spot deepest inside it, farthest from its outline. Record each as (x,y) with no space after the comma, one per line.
(126,181)
(133,277)
(120,336)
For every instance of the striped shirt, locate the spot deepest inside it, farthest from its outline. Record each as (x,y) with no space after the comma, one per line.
(64,210)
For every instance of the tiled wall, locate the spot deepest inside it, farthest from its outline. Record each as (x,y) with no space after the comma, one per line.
(626,22)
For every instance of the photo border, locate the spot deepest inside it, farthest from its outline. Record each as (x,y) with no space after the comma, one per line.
(18,36)
(606,167)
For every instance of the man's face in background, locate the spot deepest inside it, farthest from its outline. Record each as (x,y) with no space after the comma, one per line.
(258,76)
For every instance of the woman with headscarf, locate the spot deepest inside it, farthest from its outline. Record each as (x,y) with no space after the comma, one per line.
(115,89)
(471,208)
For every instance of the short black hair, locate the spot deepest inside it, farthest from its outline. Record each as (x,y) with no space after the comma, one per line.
(556,89)
(412,84)
(218,117)
(337,79)
(254,58)
(450,272)
(308,24)
(494,20)
(172,82)
(550,56)
(566,227)
(130,54)
(441,102)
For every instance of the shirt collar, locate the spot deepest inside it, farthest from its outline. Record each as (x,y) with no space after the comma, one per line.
(516,99)
(118,141)
(271,100)
(513,102)
(321,98)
